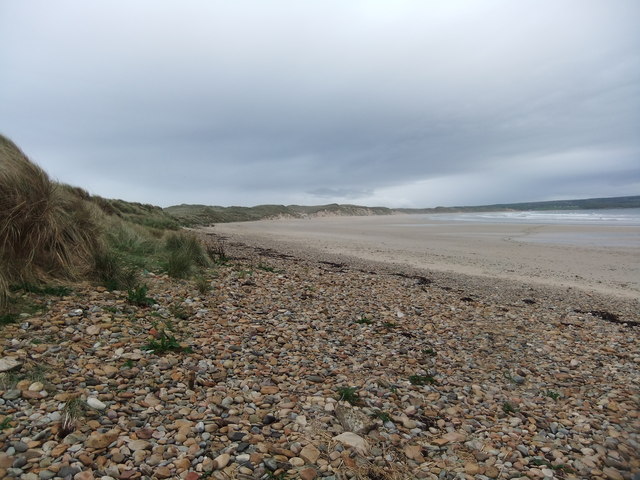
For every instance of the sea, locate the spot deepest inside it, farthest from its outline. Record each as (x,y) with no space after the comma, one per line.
(626,236)
(609,217)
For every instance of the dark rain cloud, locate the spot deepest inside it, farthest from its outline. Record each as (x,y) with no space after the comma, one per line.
(399,103)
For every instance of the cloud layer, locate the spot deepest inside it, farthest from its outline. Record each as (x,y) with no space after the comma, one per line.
(406,103)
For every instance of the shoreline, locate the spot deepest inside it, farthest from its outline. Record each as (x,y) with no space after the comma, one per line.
(483,277)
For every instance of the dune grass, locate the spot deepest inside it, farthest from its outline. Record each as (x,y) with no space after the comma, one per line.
(185,253)
(45,230)
(51,232)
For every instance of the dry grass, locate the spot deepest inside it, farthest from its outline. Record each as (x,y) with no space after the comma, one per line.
(46,230)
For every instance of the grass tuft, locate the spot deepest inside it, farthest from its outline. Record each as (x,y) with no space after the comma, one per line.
(422,380)
(349,394)
(184,253)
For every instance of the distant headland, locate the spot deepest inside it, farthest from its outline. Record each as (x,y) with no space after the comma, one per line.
(206,215)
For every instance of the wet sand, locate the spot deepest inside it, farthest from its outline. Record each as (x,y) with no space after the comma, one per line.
(599,259)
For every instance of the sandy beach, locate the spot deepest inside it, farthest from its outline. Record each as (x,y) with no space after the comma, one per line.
(599,259)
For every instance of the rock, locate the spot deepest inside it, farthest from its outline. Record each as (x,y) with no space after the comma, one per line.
(12,394)
(162,472)
(93,330)
(269,390)
(36,387)
(136,445)
(20,447)
(491,472)
(6,461)
(612,473)
(86,475)
(9,363)
(102,440)
(221,461)
(353,420)
(310,454)
(471,468)
(93,402)
(414,452)
(450,437)
(308,474)
(68,471)
(354,441)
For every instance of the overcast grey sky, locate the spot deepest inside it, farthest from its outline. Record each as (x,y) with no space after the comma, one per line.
(396,103)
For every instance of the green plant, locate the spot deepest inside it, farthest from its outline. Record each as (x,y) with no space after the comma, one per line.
(184,252)
(110,270)
(73,409)
(422,380)
(429,351)
(266,268)
(349,394)
(7,318)
(138,296)
(179,311)
(202,284)
(541,462)
(389,325)
(165,343)
(552,394)
(55,290)
(244,273)
(364,321)
(217,252)
(46,230)
(8,380)
(384,416)
(6,423)
(509,408)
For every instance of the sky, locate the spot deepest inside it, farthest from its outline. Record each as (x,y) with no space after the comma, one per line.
(393,103)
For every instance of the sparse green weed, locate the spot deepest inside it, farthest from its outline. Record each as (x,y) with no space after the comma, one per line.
(552,394)
(202,284)
(349,394)
(6,423)
(541,462)
(509,408)
(364,321)
(179,311)
(165,343)
(8,318)
(266,268)
(55,290)
(384,416)
(138,296)
(422,380)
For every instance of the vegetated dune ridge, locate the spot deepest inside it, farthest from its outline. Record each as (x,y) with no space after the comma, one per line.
(194,215)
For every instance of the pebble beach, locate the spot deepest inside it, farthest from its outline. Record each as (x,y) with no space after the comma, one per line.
(297,366)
